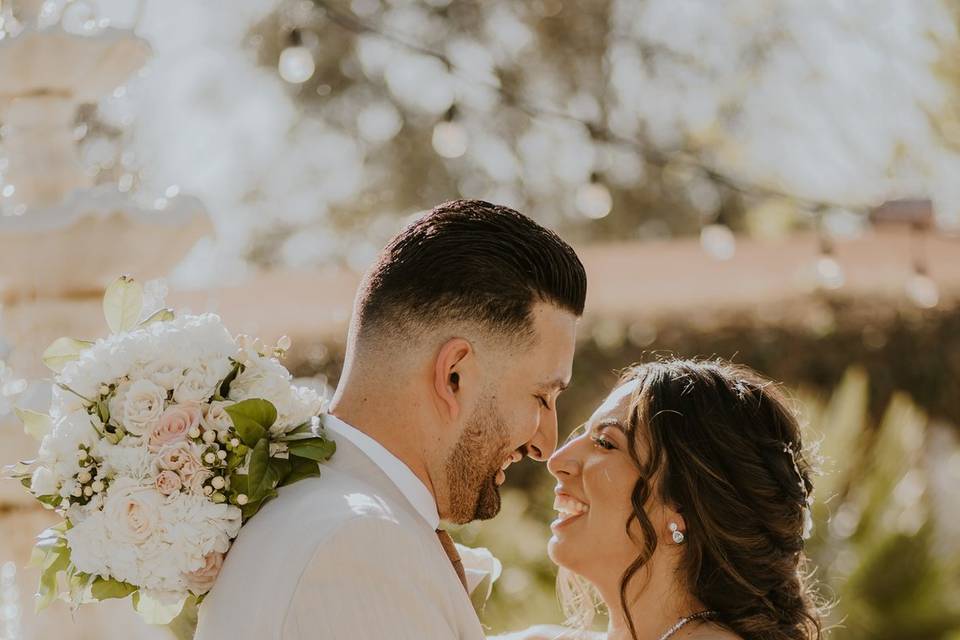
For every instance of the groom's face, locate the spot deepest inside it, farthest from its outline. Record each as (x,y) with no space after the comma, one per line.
(514,416)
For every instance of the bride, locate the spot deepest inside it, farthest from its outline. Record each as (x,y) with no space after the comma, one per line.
(683,505)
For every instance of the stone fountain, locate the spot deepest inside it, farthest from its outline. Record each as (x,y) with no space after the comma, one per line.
(63,237)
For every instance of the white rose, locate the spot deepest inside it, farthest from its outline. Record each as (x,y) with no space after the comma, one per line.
(197,384)
(142,407)
(163,373)
(132,511)
(262,378)
(305,402)
(481,567)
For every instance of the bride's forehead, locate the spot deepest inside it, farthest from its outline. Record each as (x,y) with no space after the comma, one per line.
(617,402)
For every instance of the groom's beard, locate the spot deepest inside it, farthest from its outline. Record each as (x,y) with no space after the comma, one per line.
(472,468)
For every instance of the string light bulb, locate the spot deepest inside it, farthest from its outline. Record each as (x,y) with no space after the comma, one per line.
(593,199)
(450,139)
(296,64)
(718,241)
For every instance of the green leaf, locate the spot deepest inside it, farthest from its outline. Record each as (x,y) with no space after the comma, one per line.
(51,501)
(261,477)
(62,351)
(223,389)
(318,449)
(155,612)
(184,626)
(301,468)
(55,559)
(302,432)
(252,418)
(35,424)
(122,304)
(106,588)
(281,468)
(163,315)
(250,509)
(239,484)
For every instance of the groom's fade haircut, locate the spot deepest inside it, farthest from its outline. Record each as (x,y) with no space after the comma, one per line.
(468,261)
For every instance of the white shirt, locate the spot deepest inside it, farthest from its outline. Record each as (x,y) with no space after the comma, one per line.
(399,473)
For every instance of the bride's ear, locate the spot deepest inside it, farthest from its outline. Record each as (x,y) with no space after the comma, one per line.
(448,376)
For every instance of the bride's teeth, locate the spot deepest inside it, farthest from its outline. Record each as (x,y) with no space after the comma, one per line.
(568,506)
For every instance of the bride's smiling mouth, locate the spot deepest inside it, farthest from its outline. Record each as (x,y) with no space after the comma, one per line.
(568,509)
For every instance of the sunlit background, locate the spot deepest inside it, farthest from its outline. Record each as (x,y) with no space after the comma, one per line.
(771,181)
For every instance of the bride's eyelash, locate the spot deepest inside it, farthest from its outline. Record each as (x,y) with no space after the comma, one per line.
(603,442)
(543,402)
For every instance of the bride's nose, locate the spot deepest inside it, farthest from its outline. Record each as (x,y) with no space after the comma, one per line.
(564,461)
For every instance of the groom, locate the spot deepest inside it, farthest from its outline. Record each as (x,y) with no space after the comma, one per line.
(461,340)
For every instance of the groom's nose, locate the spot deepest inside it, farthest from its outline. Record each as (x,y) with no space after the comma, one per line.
(544,441)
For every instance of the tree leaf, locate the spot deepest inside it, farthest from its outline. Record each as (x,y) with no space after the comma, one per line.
(107,588)
(252,418)
(35,424)
(318,449)
(122,304)
(163,315)
(62,351)
(301,468)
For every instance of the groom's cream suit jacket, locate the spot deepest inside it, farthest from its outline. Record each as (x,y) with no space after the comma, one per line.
(351,555)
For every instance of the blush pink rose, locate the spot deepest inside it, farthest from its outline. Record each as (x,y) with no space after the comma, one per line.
(174,424)
(202,579)
(173,456)
(195,477)
(168,482)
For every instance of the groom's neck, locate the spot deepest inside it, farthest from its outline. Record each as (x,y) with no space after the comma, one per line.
(389,415)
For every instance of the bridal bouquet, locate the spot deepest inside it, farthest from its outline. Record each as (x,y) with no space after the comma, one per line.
(162,439)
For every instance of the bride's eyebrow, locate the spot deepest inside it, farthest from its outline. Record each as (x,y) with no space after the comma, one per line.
(611,422)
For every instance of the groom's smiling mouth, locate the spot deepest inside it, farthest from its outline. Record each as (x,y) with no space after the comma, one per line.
(568,508)
(501,476)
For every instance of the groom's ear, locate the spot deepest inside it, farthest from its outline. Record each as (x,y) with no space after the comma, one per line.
(448,375)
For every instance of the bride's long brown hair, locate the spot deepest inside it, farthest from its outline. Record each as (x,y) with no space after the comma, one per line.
(726,452)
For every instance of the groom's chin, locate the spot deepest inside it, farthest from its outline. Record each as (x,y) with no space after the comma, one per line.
(488,501)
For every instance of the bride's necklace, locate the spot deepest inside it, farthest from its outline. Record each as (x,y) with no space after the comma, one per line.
(690,618)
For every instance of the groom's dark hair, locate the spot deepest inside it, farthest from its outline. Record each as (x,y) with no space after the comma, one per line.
(469,261)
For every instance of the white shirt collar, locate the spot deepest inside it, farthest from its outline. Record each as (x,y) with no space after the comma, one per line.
(399,473)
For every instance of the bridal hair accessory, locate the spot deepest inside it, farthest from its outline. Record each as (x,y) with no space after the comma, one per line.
(676,533)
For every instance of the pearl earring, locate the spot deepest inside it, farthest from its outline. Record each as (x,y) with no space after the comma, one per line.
(676,533)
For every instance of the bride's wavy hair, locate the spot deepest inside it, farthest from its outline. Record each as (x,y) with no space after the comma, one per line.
(725,452)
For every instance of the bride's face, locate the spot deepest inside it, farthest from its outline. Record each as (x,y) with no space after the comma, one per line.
(596,476)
